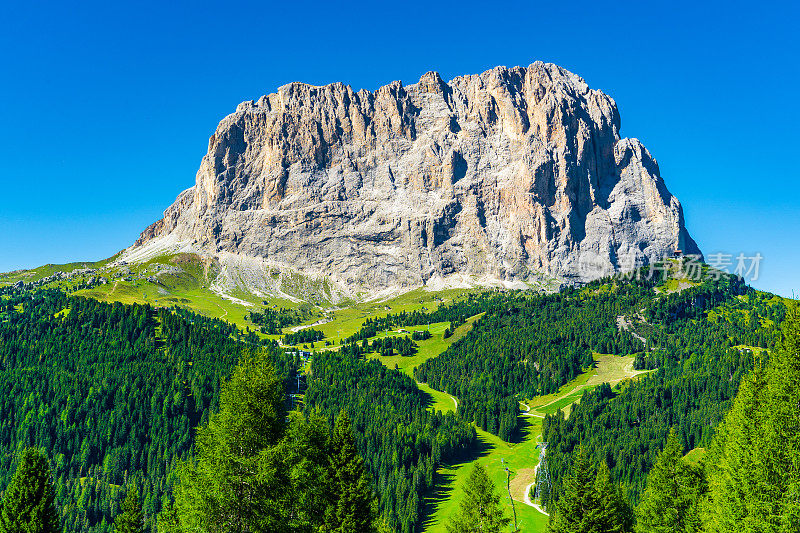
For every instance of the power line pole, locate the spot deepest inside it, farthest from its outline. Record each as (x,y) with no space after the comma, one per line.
(508,488)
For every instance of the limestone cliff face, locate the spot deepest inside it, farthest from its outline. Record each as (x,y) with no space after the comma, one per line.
(499,177)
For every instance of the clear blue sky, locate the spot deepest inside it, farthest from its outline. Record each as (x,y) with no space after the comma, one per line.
(106,107)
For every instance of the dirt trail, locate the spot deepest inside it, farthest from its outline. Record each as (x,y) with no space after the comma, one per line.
(317,323)
(528,411)
(527,500)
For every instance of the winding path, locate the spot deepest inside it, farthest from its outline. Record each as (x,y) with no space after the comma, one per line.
(224,310)
(295,329)
(527,496)
(528,411)
(454,401)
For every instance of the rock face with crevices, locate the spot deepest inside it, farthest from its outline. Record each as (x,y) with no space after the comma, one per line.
(510,176)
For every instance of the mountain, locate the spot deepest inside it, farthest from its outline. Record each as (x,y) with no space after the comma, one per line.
(516,176)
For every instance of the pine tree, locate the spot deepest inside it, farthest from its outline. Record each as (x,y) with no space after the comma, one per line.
(754,463)
(480,509)
(28,503)
(353,507)
(670,502)
(130,520)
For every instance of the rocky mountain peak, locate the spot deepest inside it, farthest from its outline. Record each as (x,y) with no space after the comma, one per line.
(512,176)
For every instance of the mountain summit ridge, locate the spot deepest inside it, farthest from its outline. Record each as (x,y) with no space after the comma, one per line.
(513,176)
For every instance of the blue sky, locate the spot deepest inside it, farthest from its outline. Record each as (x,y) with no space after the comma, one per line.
(106,107)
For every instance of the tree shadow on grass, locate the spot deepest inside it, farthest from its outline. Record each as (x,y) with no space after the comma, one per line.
(525,426)
(444,481)
(428,399)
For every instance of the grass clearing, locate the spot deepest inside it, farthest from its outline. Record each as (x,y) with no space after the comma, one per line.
(427,348)
(522,456)
(347,321)
(610,369)
(695,456)
(494,454)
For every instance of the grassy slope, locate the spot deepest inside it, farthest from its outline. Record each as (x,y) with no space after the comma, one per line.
(427,349)
(348,320)
(35,274)
(522,456)
(191,289)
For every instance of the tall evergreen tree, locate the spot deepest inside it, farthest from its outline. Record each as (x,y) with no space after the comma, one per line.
(236,483)
(28,504)
(614,513)
(354,509)
(307,459)
(578,499)
(671,501)
(754,464)
(130,520)
(591,502)
(480,509)
(168,521)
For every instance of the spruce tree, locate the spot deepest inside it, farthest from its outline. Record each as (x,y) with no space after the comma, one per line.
(590,501)
(754,463)
(130,520)
(28,503)
(670,502)
(480,509)
(353,505)
(614,513)
(578,498)
(307,458)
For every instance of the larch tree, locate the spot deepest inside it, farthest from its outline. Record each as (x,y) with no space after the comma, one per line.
(480,509)
(236,483)
(130,519)
(28,503)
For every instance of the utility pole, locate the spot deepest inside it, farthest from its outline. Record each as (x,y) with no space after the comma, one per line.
(508,488)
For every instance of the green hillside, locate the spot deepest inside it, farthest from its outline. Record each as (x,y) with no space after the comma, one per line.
(434,382)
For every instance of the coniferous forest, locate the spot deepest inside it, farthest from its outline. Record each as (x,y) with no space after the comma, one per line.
(135,418)
(401,440)
(524,347)
(112,392)
(748,480)
(700,363)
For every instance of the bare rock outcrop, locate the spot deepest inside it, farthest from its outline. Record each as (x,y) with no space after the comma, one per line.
(508,176)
